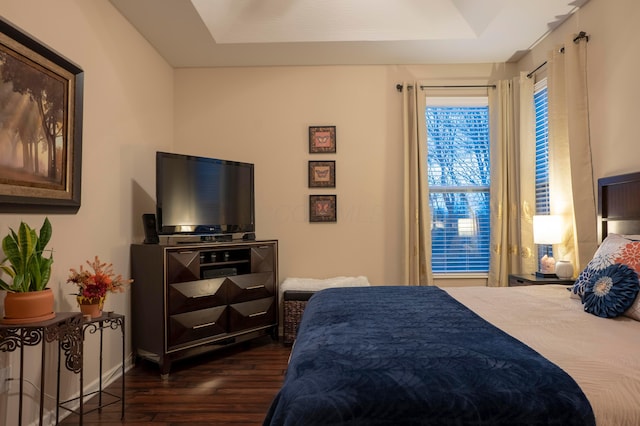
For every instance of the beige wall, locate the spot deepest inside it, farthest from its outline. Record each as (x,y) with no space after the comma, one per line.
(128,114)
(612,68)
(262,115)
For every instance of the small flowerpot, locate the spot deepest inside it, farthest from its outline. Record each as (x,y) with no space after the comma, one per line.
(91,305)
(29,307)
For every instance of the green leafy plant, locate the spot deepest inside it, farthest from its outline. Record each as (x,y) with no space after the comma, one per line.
(27,266)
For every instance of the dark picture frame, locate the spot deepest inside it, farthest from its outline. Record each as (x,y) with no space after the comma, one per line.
(322,174)
(323,208)
(41,130)
(322,139)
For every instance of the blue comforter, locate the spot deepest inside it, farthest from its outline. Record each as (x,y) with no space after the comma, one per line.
(416,356)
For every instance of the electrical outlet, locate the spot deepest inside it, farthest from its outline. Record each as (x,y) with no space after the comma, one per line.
(5,375)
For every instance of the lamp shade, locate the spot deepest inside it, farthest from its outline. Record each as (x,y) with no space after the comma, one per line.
(547,229)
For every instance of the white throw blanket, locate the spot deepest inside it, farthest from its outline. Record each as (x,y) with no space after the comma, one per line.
(314,284)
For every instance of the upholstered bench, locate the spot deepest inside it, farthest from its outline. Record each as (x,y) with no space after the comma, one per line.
(296,292)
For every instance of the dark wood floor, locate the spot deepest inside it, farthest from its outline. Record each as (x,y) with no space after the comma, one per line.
(234,386)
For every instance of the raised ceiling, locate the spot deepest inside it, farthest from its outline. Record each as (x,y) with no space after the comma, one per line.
(212,33)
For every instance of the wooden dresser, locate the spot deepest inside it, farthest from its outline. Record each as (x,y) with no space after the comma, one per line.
(193,298)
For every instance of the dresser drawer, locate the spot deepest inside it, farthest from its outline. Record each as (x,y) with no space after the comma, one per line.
(253,314)
(516,282)
(263,258)
(197,325)
(242,288)
(183,265)
(195,295)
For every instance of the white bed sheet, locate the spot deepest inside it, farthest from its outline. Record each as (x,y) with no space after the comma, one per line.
(602,355)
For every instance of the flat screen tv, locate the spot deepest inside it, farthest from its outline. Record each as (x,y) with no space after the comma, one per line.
(203,196)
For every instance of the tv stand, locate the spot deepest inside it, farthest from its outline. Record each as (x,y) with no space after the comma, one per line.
(193,298)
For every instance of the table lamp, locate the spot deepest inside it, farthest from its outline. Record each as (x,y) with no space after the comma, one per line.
(547,230)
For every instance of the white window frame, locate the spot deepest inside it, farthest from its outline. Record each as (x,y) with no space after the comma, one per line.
(460,101)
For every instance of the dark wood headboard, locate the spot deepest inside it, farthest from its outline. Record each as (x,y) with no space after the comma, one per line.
(619,205)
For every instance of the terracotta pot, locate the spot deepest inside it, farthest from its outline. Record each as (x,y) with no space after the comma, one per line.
(91,306)
(29,307)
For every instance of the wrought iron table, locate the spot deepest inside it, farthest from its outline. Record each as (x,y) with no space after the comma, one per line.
(108,320)
(66,328)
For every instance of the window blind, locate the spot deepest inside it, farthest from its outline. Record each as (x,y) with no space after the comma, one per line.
(542,149)
(458,173)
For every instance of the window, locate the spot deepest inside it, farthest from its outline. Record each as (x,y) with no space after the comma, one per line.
(541,105)
(458,175)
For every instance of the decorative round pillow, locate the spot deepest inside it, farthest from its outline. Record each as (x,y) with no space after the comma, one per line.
(615,248)
(611,291)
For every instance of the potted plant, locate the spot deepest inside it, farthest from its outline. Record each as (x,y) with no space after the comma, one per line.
(28,298)
(94,285)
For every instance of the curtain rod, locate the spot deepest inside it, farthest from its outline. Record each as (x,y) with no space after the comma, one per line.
(581,35)
(536,69)
(468,86)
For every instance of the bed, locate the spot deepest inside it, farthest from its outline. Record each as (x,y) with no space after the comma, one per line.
(396,355)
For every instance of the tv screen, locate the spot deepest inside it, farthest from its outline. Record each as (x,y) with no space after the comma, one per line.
(208,196)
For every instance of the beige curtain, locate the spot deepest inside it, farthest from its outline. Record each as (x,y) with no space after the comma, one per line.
(527,263)
(570,174)
(417,217)
(505,229)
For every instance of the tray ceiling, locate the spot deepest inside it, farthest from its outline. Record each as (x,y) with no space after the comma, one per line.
(209,33)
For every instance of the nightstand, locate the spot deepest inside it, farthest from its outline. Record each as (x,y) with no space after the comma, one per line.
(520,280)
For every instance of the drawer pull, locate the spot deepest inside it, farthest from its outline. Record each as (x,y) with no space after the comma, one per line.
(257,314)
(207,324)
(198,296)
(255,287)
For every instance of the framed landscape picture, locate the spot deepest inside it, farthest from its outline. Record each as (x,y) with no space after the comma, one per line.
(322,174)
(40,126)
(322,139)
(323,208)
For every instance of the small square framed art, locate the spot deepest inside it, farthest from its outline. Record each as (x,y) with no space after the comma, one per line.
(322,174)
(322,139)
(323,208)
